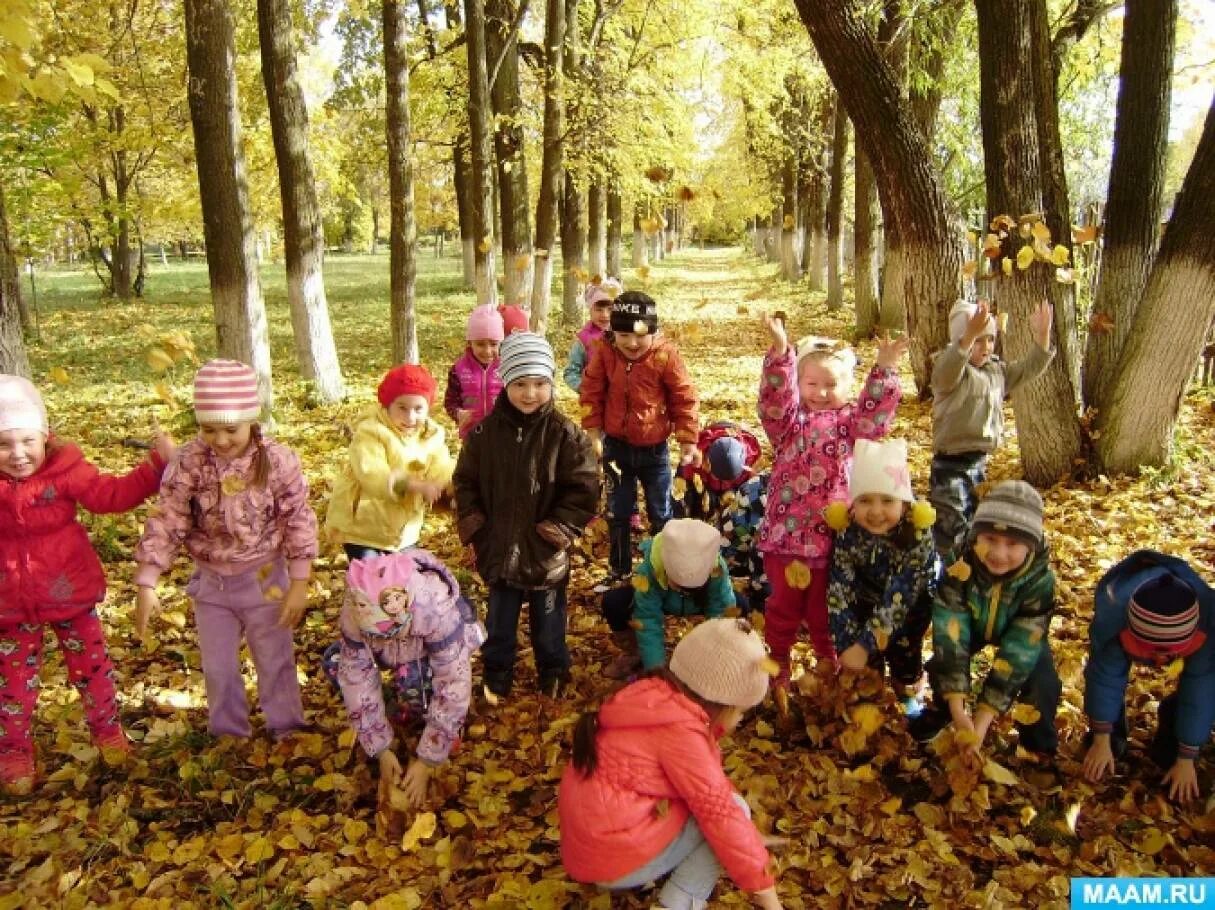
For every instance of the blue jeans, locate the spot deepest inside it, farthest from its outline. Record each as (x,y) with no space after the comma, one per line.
(952,484)
(546,619)
(623,466)
(693,866)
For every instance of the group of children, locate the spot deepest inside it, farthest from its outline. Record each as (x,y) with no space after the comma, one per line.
(831,539)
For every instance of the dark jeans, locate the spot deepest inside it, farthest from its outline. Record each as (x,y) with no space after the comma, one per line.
(546,619)
(1042,689)
(623,466)
(361,551)
(1163,747)
(952,485)
(617,608)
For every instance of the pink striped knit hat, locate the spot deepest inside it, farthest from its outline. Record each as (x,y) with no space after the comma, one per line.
(225,392)
(1162,620)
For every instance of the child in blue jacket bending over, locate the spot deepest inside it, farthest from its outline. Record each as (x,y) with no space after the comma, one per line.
(682,573)
(1151,609)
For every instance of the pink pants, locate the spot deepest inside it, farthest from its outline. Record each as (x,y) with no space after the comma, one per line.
(228,608)
(788,608)
(82,642)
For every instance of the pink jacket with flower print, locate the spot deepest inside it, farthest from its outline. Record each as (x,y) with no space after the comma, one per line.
(228,524)
(812,451)
(437,631)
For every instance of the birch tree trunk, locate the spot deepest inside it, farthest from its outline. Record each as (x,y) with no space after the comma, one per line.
(236,295)
(303,235)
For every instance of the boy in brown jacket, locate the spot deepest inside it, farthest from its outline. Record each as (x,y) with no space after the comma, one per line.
(526,484)
(635,393)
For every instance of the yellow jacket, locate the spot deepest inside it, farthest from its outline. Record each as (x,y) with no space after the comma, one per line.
(362,508)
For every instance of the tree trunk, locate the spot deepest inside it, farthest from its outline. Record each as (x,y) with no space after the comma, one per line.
(13,358)
(789,265)
(236,295)
(573,214)
(480,136)
(551,162)
(924,95)
(1170,327)
(1133,208)
(462,177)
(639,252)
(835,210)
(866,240)
(402,228)
(614,217)
(303,234)
(1048,428)
(596,227)
(515,206)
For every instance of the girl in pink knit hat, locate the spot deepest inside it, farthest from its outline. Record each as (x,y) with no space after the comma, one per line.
(50,575)
(473,382)
(238,502)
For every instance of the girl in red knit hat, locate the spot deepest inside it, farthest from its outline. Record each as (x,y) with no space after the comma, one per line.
(398,466)
(50,576)
(238,502)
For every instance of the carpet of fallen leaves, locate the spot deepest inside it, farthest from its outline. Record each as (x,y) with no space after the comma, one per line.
(873,819)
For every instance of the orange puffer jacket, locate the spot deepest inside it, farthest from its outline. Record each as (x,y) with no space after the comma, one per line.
(640,401)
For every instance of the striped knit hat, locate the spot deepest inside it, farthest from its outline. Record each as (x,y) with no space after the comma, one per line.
(1162,619)
(1013,508)
(225,392)
(525,354)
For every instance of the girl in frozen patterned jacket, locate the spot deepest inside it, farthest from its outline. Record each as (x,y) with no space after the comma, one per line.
(238,502)
(403,613)
(804,407)
(51,577)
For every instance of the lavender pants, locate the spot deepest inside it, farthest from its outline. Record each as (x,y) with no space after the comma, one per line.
(227,608)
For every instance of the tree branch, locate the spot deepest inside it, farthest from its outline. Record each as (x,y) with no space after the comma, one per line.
(511,36)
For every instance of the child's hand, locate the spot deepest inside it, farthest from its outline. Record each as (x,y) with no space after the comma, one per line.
(147,605)
(689,454)
(1182,780)
(1099,759)
(462,417)
(295,602)
(554,534)
(416,782)
(975,326)
(774,842)
(767,899)
(1040,322)
(855,657)
(390,768)
(163,445)
(776,330)
(891,351)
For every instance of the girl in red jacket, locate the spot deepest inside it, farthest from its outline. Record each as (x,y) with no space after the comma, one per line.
(49,574)
(646,795)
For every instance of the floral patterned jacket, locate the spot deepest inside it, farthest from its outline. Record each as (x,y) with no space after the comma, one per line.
(812,451)
(228,524)
(441,629)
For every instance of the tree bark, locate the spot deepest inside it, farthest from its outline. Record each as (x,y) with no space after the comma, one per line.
(515,206)
(928,55)
(462,177)
(13,357)
(790,267)
(614,227)
(551,161)
(573,214)
(1048,427)
(236,295)
(835,210)
(1136,426)
(481,156)
(867,240)
(639,251)
(303,234)
(596,227)
(402,228)
(1136,187)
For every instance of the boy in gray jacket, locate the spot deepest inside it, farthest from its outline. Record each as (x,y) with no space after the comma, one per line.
(968,388)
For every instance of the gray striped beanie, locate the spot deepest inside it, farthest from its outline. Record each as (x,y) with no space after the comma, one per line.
(525,354)
(1012,507)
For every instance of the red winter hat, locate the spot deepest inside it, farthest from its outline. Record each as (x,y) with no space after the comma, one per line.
(514,319)
(407,379)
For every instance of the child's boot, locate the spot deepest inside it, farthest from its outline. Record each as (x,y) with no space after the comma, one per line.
(628,661)
(17,773)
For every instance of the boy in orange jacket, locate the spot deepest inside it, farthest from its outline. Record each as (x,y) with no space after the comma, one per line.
(635,393)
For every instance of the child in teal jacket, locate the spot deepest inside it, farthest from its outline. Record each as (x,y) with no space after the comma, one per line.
(682,573)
